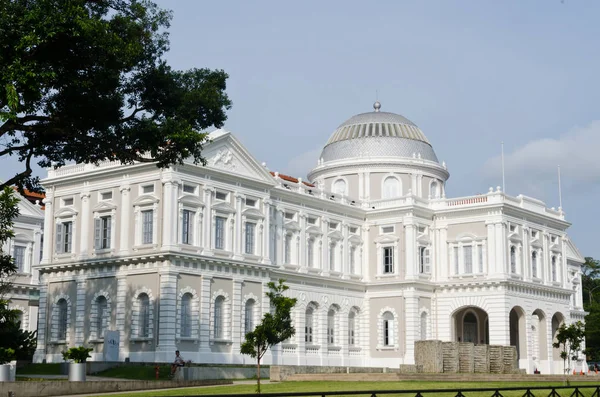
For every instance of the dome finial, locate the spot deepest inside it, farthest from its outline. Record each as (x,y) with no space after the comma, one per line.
(377,106)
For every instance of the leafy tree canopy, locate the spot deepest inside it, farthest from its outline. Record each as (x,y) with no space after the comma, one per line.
(85,81)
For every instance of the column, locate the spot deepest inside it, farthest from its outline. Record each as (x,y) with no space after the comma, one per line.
(302,245)
(125,220)
(205,307)
(345,251)
(411,302)
(420,185)
(325,246)
(85,225)
(435,255)
(167,316)
(266,236)
(279,237)
(122,304)
(444,257)
(500,248)
(544,260)
(169,221)
(365,254)
(367,186)
(237,336)
(411,255)
(238,233)
(413,183)
(207,220)
(40,351)
(48,227)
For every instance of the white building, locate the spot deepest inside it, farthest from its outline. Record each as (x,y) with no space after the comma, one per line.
(26,250)
(375,252)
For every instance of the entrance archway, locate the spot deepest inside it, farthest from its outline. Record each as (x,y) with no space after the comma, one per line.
(517,331)
(557,320)
(540,340)
(470,325)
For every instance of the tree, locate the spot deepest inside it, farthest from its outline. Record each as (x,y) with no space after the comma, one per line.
(591,302)
(590,270)
(14,342)
(84,81)
(569,339)
(274,328)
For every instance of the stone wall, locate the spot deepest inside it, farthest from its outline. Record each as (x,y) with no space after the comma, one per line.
(280,373)
(435,356)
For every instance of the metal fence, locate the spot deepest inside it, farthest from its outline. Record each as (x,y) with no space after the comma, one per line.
(534,391)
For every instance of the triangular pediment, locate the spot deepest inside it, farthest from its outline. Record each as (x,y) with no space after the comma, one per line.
(253,213)
(104,206)
(27,208)
(573,253)
(515,237)
(386,238)
(226,154)
(223,207)
(190,199)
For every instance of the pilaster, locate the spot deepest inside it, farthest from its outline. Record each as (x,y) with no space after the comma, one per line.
(238,234)
(48,228)
(410,247)
(411,302)
(125,218)
(85,225)
(237,335)
(302,260)
(266,236)
(167,314)
(207,220)
(122,304)
(80,314)
(40,351)
(169,208)
(205,307)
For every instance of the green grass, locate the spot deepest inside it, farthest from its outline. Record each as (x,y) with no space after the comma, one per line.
(287,387)
(39,369)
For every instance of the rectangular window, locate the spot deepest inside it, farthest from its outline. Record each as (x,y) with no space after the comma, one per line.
(67,202)
(250,229)
(250,202)
(64,237)
(333,225)
(189,189)
(468,258)
(353,230)
(387,229)
(287,249)
(102,232)
(106,196)
(19,258)
(308,328)
(221,196)
(310,252)
(220,233)
(147,226)
(186,226)
(148,189)
(424,264)
(388,260)
(289,215)
(332,257)
(312,221)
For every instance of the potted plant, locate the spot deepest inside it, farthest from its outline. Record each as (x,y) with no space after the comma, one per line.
(6,356)
(77,368)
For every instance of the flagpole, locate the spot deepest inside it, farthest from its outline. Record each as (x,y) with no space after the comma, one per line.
(559,191)
(503,181)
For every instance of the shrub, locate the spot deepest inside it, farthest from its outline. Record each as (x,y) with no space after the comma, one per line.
(78,354)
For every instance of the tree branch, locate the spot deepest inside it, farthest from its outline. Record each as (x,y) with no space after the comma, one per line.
(132,115)
(20,176)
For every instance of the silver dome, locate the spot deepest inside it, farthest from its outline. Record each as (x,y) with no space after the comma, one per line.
(377,134)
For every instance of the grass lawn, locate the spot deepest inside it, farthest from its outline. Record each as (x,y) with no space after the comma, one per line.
(137,372)
(288,387)
(39,369)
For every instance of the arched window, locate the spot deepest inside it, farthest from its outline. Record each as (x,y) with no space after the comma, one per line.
(186,315)
(218,324)
(434,190)
(62,320)
(470,328)
(249,316)
(388,329)
(351,328)
(513,259)
(534,264)
(331,327)
(310,254)
(308,325)
(101,316)
(391,187)
(424,326)
(143,315)
(339,187)
(554,268)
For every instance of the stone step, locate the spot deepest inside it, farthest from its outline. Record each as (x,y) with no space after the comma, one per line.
(454,377)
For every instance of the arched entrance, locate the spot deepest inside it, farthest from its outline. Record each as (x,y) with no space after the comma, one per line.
(557,320)
(470,325)
(518,334)
(538,332)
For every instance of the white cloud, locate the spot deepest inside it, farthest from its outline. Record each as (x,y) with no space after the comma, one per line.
(300,165)
(532,168)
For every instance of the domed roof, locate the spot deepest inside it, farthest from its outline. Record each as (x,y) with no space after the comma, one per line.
(377,134)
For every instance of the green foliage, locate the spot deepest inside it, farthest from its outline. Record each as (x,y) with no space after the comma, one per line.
(274,328)
(6,355)
(39,369)
(569,339)
(85,81)
(591,302)
(78,354)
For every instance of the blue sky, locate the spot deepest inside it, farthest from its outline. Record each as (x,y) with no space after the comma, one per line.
(470,74)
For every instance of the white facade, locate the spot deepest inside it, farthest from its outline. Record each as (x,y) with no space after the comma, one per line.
(376,254)
(26,250)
